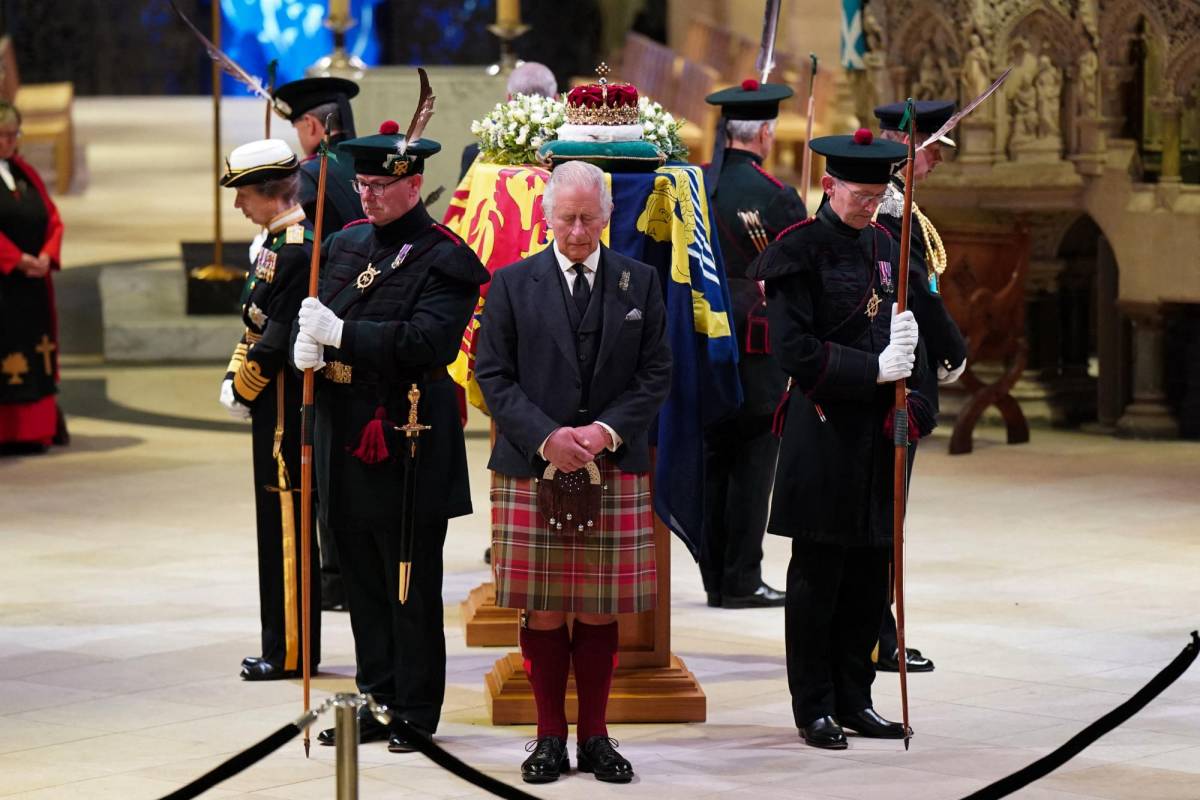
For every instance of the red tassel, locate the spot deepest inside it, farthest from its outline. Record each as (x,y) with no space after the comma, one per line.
(914,433)
(372,445)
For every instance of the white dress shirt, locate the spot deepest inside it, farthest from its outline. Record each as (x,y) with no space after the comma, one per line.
(7,176)
(590,265)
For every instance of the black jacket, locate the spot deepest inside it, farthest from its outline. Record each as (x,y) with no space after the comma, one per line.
(527,364)
(403,329)
(745,186)
(833,483)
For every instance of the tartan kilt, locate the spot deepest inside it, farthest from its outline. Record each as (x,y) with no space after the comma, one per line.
(606,570)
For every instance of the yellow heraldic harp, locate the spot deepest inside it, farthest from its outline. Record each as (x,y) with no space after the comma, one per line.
(287,516)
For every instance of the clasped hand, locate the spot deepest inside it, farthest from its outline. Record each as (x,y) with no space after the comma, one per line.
(34,266)
(569,449)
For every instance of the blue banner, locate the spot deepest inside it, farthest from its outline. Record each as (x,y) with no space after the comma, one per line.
(663,219)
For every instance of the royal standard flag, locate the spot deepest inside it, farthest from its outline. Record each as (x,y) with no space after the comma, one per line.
(662,218)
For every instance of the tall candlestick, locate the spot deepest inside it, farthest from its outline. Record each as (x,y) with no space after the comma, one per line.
(508,12)
(339,10)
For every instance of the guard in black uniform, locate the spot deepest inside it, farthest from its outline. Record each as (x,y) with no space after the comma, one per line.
(942,346)
(831,287)
(309,101)
(751,207)
(260,385)
(396,295)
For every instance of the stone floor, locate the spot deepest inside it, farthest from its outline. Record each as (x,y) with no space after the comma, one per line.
(1049,581)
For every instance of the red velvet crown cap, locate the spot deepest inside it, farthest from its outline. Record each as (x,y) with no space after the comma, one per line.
(595,95)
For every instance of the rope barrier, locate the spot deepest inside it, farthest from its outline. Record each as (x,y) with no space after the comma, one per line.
(456,766)
(1076,744)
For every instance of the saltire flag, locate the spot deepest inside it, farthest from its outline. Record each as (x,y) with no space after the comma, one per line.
(854,43)
(663,219)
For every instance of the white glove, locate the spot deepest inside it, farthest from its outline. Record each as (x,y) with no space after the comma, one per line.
(895,363)
(235,409)
(306,353)
(950,375)
(904,329)
(320,323)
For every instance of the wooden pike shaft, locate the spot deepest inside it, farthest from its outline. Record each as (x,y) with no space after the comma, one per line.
(900,474)
(306,454)
(806,160)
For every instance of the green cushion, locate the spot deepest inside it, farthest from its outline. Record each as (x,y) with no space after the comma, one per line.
(639,156)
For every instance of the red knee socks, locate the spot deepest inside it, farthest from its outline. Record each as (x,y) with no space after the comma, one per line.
(594,652)
(547,662)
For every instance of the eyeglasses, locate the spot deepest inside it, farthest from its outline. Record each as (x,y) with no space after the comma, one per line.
(863,198)
(376,189)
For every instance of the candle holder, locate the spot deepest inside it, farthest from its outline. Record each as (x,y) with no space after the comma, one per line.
(339,62)
(506,33)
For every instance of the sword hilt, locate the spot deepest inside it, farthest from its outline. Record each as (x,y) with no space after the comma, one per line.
(413,428)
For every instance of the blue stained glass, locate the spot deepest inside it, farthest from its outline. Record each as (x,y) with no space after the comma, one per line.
(293,31)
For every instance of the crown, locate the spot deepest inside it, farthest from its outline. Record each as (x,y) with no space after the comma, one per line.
(603,103)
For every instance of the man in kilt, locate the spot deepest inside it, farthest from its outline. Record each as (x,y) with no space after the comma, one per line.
(574,364)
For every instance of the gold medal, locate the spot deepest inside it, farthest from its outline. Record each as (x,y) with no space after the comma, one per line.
(366,277)
(873,305)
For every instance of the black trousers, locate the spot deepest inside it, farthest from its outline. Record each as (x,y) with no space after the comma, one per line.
(281,646)
(739,468)
(835,599)
(400,649)
(331,571)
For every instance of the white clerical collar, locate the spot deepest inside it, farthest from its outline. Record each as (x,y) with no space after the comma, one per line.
(591,263)
(290,217)
(7,176)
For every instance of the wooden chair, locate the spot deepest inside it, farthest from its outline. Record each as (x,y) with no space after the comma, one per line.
(650,66)
(696,81)
(710,44)
(45,113)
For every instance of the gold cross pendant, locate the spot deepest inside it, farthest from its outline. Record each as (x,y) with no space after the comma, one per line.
(366,277)
(873,305)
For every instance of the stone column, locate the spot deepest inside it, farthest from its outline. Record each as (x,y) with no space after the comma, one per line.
(1148,416)
(1171,108)
(1110,388)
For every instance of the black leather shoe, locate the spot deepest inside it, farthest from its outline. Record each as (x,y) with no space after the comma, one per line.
(549,760)
(398,743)
(869,724)
(763,597)
(369,730)
(259,669)
(598,756)
(714,599)
(824,732)
(915,661)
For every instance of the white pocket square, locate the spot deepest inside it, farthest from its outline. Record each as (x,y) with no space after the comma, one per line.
(634,314)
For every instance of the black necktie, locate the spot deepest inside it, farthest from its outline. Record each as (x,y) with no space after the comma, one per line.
(581,292)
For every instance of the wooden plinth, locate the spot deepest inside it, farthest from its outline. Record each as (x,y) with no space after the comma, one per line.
(639,694)
(484,623)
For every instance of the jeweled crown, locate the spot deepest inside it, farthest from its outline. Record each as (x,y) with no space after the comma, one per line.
(603,103)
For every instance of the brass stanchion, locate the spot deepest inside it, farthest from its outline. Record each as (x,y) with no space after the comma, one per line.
(346,739)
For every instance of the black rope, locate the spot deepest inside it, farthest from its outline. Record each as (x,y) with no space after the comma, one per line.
(225,771)
(430,749)
(1047,764)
